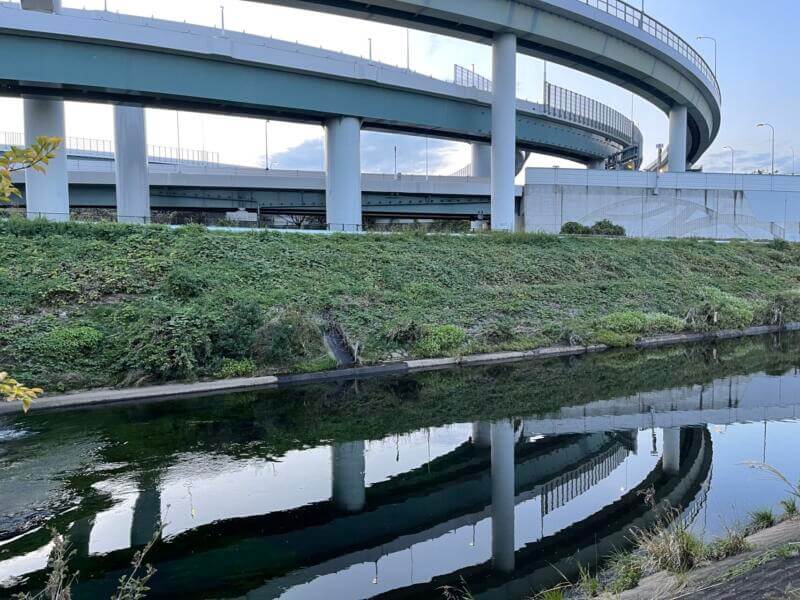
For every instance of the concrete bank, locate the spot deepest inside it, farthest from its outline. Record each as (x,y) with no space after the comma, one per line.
(769,569)
(100,397)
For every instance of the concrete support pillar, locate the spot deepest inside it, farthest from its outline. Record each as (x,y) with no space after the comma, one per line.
(130,148)
(146,513)
(671,454)
(597,165)
(42,5)
(343,174)
(503,496)
(481,160)
(79,536)
(504,130)
(482,434)
(349,466)
(678,124)
(46,194)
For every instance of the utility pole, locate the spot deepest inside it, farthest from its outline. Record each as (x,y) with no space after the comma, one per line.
(705,37)
(408,49)
(773,144)
(266,144)
(733,157)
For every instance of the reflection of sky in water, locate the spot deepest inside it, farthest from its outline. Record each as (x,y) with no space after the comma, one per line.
(432,534)
(203,488)
(472,544)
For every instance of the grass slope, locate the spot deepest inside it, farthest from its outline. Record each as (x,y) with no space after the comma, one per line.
(107,304)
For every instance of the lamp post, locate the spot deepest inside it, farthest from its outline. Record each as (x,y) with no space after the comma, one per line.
(733,157)
(706,37)
(773,143)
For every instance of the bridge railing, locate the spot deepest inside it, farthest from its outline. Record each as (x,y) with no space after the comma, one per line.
(634,16)
(105,149)
(469,78)
(577,108)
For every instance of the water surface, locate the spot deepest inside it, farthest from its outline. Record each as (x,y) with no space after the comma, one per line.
(395,487)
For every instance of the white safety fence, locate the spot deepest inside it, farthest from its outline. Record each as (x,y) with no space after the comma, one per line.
(665,205)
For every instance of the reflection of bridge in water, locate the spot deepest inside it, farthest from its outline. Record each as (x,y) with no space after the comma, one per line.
(502,484)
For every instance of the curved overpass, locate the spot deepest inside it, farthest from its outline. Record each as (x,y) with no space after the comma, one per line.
(609,39)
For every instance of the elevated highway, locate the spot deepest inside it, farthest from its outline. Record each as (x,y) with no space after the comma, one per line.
(98,56)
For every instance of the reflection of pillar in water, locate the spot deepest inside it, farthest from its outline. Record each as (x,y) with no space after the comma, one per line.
(482,434)
(671,456)
(349,489)
(79,534)
(503,496)
(146,513)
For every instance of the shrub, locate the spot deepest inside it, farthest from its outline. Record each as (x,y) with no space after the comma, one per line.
(169,347)
(624,328)
(574,228)
(606,227)
(235,330)
(404,334)
(288,338)
(720,310)
(440,340)
(784,308)
(183,283)
(235,368)
(68,343)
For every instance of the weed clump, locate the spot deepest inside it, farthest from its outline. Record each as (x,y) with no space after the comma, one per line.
(672,548)
(720,310)
(440,340)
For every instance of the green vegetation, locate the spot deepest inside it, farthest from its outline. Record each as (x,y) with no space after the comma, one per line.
(107,304)
(732,543)
(761,519)
(626,570)
(604,227)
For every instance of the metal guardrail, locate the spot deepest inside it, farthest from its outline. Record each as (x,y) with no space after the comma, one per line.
(634,16)
(469,78)
(571,106)
(105,148)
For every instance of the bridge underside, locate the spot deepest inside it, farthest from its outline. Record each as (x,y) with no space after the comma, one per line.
(295,202)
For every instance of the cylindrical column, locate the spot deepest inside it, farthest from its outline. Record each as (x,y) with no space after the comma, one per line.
(343,174)
(349,466)
(503,496)
(481,160)
(42,5)
(671,454)
(597,165)
(46,194)
(146,513)
(504,130)
(130,149)
(678,124)
(482,434)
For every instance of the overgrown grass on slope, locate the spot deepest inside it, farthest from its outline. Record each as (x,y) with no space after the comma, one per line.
(107,304)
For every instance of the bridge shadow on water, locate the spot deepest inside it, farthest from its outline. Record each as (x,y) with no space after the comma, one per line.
(501,478)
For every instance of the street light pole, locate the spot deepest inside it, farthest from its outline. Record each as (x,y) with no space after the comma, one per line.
(773,143)
(705,37)
(733,157)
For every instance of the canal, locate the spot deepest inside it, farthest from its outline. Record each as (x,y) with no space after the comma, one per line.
(498,478)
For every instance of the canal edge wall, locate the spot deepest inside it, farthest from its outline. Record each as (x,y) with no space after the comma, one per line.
(174,391)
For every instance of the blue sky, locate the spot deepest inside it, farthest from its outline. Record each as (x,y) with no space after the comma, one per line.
(758,70)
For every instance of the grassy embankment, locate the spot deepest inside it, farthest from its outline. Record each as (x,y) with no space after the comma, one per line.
(95,305)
